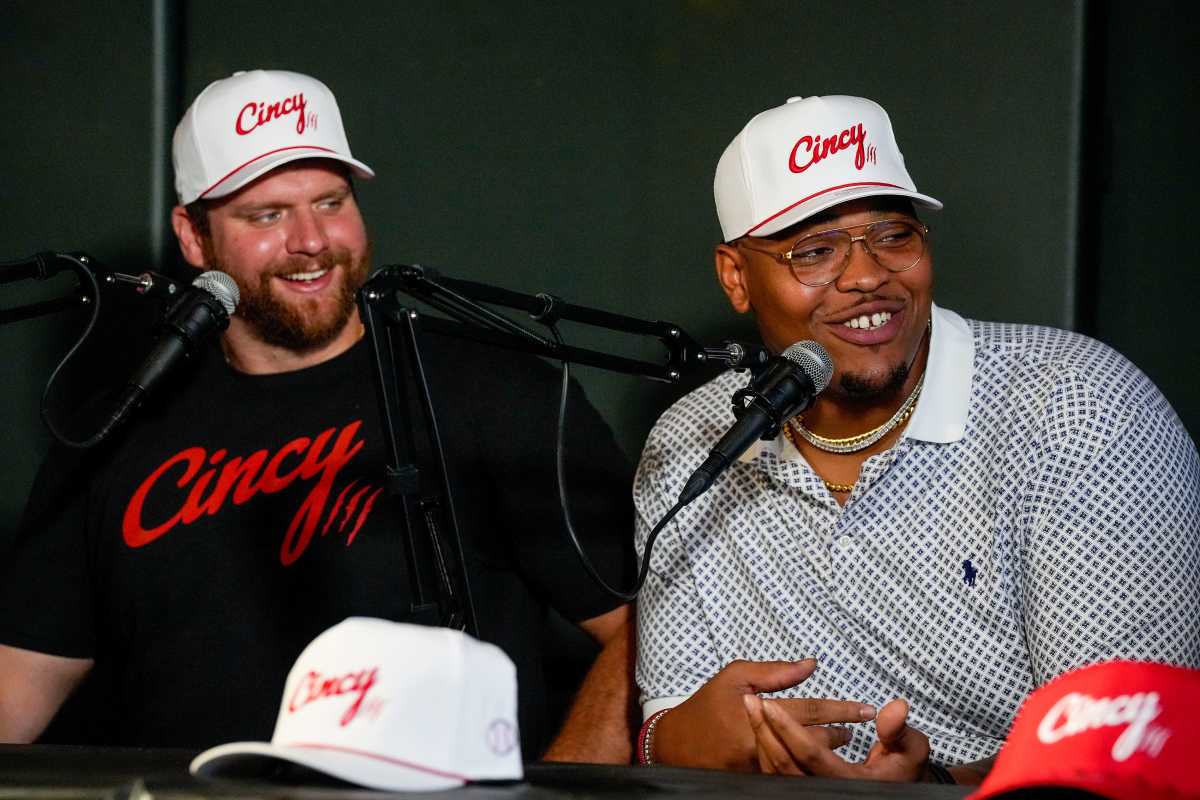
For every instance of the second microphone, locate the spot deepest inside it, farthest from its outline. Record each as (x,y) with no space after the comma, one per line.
(786,387)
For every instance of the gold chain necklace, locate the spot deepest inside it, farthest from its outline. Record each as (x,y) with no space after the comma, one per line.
(839,488)
(852,444)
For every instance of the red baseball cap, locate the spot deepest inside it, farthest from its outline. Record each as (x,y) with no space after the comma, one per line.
(1121,730)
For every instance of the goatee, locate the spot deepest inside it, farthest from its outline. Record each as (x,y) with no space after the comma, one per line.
(862,387)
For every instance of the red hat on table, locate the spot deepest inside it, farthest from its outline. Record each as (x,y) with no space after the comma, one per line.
(1121,730)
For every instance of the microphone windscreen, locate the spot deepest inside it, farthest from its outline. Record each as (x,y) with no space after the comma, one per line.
(813,360)
(222,287)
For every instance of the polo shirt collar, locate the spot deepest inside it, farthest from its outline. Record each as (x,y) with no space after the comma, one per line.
(941,412)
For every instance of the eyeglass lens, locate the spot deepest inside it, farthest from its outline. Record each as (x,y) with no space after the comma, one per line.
(820,258)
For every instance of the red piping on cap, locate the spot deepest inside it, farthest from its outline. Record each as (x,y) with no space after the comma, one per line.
(818,194)
(379,757)
(240,167)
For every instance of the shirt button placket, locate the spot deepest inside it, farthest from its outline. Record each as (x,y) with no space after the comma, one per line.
(842,550)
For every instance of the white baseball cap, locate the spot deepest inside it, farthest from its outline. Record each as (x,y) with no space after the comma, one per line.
(243,126)
(390,705)
(807,155)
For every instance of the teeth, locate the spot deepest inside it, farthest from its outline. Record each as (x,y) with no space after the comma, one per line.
(869,323)
(305,276)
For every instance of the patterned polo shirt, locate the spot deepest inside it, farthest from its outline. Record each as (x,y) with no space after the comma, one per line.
(1040,512)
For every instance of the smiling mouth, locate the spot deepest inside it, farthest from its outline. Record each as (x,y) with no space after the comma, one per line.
(305,277)
(869,322)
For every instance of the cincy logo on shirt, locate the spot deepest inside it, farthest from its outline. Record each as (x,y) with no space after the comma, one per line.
(1077,713)
(257,113)
(199,484)
(316,686)
(814,148)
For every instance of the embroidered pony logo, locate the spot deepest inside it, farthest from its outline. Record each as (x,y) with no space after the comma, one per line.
(969,573)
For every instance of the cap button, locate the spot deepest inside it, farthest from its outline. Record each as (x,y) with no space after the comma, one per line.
(795,99)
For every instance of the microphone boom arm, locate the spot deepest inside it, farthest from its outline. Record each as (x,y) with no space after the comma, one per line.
(417,470)
(44,265)
(461,300)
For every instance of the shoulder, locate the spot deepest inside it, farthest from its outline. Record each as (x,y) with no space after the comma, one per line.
(694,417)
(690,425)
(1044,356)
(1055,349)
(1064,378)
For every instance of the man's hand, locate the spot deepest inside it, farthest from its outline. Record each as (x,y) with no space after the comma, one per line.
(783,746)
(710,728)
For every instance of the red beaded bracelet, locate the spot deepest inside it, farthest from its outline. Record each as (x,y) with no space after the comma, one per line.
(645,740)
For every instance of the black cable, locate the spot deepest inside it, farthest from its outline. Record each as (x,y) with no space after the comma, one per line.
(81,269)
(560,463)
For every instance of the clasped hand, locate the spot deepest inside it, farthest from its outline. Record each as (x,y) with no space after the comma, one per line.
(726,725)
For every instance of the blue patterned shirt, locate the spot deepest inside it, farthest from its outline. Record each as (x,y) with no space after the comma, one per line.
(1040,512)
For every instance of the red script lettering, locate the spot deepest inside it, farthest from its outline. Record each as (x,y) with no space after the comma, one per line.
(256,114)
(817,148)
(198,492)
(315,686)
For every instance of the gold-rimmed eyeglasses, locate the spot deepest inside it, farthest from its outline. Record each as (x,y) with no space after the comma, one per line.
(819,259)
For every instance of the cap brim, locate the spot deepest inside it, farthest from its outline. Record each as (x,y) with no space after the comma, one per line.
(809,206)
(374,770)
(261,165)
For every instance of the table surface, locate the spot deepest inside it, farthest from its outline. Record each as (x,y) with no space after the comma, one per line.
(66,773)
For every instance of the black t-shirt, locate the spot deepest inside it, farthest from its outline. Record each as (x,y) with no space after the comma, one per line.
(196,553)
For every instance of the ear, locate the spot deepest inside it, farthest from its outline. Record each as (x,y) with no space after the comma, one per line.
(731,274)
(189,237)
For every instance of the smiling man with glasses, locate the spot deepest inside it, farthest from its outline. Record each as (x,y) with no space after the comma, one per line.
(968,510)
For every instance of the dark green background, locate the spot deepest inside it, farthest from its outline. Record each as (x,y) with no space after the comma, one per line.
(570,147)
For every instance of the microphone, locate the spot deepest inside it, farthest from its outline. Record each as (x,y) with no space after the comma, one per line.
(201,310)
(783,389)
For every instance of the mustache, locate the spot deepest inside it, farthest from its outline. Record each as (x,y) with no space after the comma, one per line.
(326,260)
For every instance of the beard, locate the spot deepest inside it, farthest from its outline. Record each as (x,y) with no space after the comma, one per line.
(873,387)
(305,323)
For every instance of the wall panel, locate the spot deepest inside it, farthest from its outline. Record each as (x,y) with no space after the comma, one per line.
(570,147)
(73,147)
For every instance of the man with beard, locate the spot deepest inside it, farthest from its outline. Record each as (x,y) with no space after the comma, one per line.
(968,510)
(173,575)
